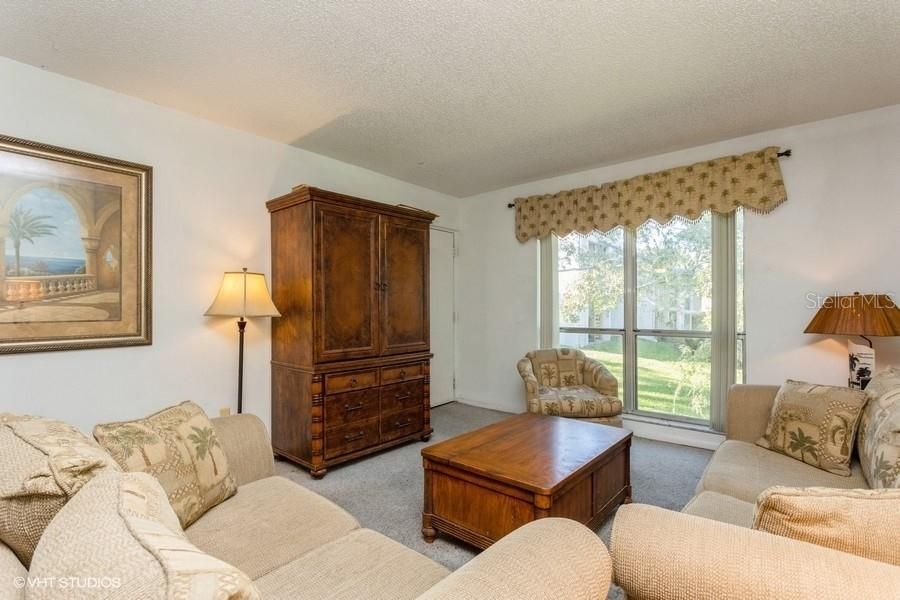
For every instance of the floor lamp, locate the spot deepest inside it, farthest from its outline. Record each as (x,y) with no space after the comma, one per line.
(243,295)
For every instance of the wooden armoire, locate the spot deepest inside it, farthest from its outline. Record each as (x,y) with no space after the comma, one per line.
(350,353)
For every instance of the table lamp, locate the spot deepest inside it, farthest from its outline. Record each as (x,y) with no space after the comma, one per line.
(860,315)
(244,295)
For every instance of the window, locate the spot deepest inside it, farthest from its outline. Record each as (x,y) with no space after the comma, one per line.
(660,307)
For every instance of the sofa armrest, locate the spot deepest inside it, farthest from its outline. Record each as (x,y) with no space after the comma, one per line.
(658,553)
(552,559)
(246,444)
(526,371)
(600,378)
(748,410)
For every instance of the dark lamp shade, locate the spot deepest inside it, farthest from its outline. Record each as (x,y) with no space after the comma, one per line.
(859,314)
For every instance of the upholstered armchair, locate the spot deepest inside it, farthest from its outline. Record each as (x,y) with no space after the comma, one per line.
(566,383)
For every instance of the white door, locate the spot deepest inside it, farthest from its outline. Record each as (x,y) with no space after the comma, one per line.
(443,308)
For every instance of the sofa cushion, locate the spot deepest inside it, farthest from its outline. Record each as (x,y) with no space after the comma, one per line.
(815,424)
(119,538)
(577,401)
(43,463)
(362,564)
(12,574)
(719,507)
(269,523)
(878,440)
(744,470)
(861,522)
(178,446)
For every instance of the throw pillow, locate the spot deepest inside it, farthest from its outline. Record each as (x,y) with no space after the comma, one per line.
(815,424)
(179,447)
(43,463)
(861,522)
(119,538)
(878,441)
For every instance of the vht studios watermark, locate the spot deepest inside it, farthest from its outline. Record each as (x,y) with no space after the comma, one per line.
(68,583)
(858,301)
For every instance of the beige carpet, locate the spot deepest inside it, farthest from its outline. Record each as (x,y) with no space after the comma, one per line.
(384,492)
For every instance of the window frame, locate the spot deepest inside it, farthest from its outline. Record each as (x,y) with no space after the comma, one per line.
(723,334)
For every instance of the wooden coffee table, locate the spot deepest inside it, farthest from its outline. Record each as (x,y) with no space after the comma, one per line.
(481,485)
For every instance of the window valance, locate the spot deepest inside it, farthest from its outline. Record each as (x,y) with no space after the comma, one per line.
(752,180)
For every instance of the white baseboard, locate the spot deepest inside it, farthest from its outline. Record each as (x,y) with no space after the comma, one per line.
(674,433)
(512,409)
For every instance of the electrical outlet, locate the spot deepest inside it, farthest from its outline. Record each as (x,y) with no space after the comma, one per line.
(224,412)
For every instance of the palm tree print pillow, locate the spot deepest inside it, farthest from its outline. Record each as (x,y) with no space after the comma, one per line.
(179,447)
(879,431)
(815,424)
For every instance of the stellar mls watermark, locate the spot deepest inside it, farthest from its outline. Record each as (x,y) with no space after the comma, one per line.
(815,301)
(68,583)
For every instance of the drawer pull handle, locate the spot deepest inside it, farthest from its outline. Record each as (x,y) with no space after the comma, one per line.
(353,382)
(348,408)
(402,396)
(402,374)
(354,437)
(399,424)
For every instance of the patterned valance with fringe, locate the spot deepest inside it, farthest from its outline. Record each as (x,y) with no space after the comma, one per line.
(751,180)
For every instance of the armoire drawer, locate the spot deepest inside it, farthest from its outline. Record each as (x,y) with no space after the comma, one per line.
(348,438)
(401,396)
(345,382)
(402,373)
(399,424)
(348,407)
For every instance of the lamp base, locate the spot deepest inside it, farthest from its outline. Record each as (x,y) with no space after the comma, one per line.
(862,365)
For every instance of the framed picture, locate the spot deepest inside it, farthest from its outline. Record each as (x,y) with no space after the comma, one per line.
(75,235)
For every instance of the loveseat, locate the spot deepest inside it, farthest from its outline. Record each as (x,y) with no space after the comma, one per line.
(709,549)
(293,544)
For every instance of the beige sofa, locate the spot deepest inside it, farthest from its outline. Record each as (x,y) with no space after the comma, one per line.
(709,551)
(295,544)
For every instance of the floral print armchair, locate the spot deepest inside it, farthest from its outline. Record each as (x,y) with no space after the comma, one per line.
(566,383)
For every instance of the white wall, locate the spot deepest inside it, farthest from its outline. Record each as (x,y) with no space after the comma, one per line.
(836,233)
(210,184)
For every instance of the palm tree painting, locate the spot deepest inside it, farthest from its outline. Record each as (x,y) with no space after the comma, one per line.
(204,441)
(26,227)
(130,438)
(75,252)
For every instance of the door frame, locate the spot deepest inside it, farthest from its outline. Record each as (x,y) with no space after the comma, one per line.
(453,298)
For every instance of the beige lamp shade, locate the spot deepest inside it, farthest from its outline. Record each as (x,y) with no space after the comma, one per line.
(243,294)
(859,314)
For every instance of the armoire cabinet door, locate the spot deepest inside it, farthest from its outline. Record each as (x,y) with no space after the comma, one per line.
(404,279)
(347,284)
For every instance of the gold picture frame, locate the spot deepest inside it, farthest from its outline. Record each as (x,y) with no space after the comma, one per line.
(76,241)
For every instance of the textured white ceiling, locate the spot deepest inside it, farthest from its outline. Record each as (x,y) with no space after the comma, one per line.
(465,96)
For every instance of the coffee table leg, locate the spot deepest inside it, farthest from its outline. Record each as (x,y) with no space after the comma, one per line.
(428,531)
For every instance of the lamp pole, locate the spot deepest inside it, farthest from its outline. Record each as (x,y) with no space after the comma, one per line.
(242,325)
